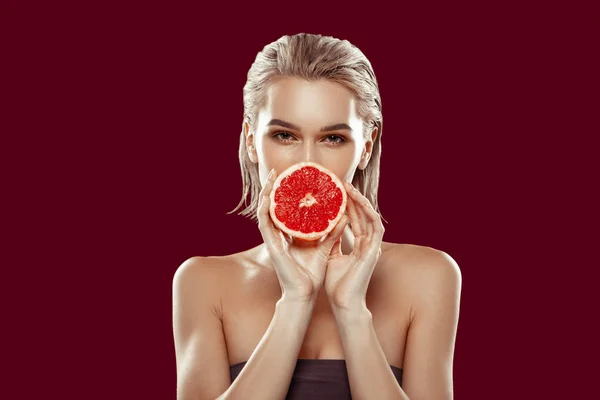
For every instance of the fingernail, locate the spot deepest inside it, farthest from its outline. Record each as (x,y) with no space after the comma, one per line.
(271,173)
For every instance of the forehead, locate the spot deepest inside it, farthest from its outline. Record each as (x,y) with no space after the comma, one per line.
(309,103)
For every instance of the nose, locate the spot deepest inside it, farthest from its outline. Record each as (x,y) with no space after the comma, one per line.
(310,153)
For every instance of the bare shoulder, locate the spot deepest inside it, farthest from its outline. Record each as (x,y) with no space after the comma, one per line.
(197,284)
(200,285)
(216,276)
(209,272)
(198,272)
(197,266)
(428,282)
(420,271)
(417,259)
(420,259)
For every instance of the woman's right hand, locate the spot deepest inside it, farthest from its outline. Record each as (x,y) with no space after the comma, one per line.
(300,265)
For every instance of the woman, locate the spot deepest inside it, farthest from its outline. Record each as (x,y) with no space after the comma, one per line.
(349,315)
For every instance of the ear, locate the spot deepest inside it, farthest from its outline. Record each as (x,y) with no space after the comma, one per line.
(250,144)
(368,150)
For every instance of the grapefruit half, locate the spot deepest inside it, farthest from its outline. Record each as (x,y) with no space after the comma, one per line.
(307,201)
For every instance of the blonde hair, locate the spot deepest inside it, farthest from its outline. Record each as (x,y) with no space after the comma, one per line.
(312,57)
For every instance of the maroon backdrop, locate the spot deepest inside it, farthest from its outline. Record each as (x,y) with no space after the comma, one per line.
(131,116)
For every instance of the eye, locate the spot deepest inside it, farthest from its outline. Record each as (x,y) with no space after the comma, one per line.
(283,136)
(336,139)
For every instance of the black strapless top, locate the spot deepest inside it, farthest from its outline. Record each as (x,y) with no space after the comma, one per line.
(318,379)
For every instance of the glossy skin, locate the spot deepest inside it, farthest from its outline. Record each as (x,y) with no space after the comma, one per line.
(317,122)
(309,106)
(351,296)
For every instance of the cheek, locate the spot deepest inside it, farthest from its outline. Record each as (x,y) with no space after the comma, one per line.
(347,170)
(271,155)
(270,152)
(352,154)
(343,163)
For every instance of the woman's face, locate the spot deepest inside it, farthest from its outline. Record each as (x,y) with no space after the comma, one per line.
(309,121)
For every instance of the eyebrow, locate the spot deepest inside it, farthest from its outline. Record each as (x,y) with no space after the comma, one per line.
(328,128)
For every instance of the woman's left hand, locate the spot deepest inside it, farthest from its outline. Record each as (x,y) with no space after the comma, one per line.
(347,276)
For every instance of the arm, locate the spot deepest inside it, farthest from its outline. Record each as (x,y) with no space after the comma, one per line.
(268,372)
(369,374)
(431,337)
(200,349)
(202,362)
(427,369)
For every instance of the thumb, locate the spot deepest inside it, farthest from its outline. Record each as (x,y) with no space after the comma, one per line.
(336,250)
(334,239)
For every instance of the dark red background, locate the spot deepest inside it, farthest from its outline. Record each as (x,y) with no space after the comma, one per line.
(127,119)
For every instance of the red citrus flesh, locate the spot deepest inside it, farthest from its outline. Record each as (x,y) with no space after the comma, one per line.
(307,201)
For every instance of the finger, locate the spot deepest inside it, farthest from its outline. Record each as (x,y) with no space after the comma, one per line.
(359,204)
(265,224)
(351,210)
(357,248)
(336,249)
(370,239)
(266,190)
(264,196)
(371,222)
(337,232)
(374,221)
